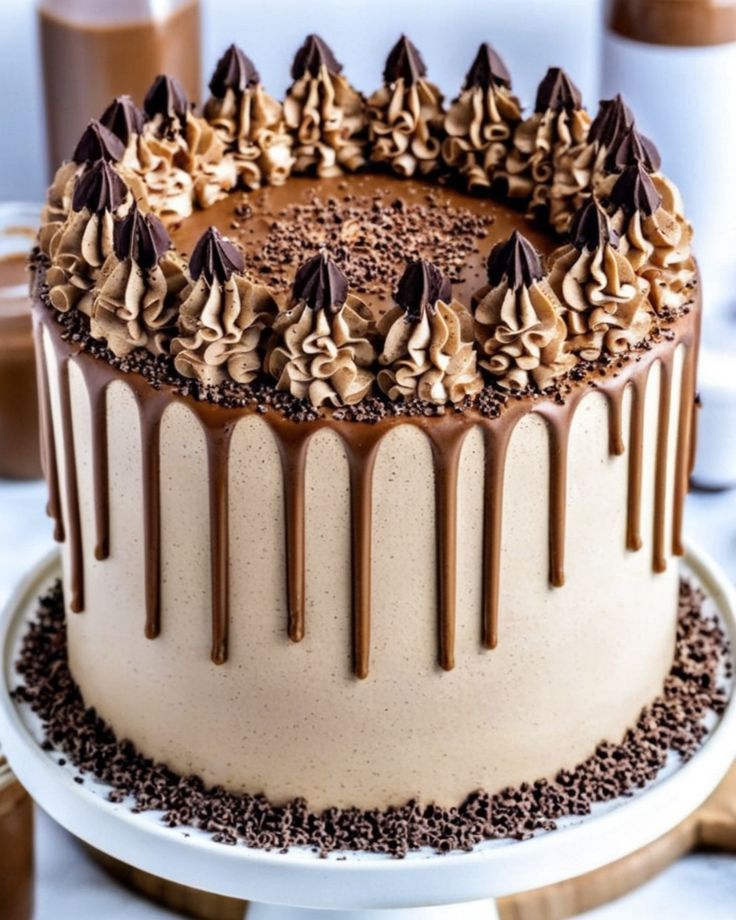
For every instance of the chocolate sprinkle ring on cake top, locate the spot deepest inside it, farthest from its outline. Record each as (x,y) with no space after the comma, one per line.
(404,62)
(99,188)
(98,143)
(488,69)
(321,284)
(312,56)
(124,118)
(140,237)
(166,98)
(674,723)
(215,257)
(557,92)
(420,288)
(635,191)
(517,261)
(234,71)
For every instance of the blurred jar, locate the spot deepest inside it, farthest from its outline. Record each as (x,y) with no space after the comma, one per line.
(19,440)
(93,51)
(16,848)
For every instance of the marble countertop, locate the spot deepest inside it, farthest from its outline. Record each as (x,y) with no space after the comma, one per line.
(70,885)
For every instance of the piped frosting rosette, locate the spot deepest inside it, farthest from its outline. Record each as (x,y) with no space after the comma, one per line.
(222,316)
(519,326)
(324,113)
(249,122)
(655,237)
(83,242)
(135,300)
(536,165)
(321,348)
(481,121)
(405,116)
(427,341)
(606,302)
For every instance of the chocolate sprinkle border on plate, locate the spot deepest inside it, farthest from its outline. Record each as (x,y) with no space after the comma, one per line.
(675,723)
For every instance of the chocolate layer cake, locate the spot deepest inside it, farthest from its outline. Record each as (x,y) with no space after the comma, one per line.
(368,425)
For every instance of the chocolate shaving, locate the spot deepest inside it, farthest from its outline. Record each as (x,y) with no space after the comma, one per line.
(517,261)
(420,288)
(123,118)
(488,69)
(557,92)
(613,118)
(234,71)
(591,228)
(98,143)
(99,188)
(312,56)
(321,284)
(635,191)
(166,97)
(215,257)
(404,62)
(629,148)
(140,237)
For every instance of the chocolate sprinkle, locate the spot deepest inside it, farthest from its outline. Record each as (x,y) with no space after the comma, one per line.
(488,69)
(404,62)
(98,143)
(99,188)
(517,261)
(312,56)
(420,288)
(673,723)
(123,118)
(557,92)
(140,237)
(215,257)
(234,71)
(321,284)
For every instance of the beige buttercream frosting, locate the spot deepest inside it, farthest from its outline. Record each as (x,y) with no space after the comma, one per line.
(251,126)
(58,202)
(480,124)
(135,307)
(221,326)
(213,170)
(405,122)
(79,249)
(322,355)
(430,357)
(327,118)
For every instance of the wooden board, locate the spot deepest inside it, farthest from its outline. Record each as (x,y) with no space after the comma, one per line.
(713,826)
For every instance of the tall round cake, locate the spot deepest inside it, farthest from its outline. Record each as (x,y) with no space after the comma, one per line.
(367,427)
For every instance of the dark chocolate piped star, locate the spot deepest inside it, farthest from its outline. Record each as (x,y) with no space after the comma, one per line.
(516,260)
(98,143)
(234,71)
(140,237)
(312,56)
(630,147)
(420,288)
(99,188)
(215,258)
(124,118)
(557,92)
(166,97)
(488,69)
(613,118)
(591,227)
(321,284)
(404,62)
(635,191)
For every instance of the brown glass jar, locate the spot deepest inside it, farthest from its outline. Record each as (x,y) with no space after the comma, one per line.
(687,23)
(16,848)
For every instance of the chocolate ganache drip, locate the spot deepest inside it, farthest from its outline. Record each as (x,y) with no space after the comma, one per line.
(98,143)
(215,257)
(123,118)
(234,71)
(167,99)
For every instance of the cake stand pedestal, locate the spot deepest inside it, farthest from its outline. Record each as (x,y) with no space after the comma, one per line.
(300,886)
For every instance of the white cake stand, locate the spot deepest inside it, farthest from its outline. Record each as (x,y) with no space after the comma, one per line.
(299,885)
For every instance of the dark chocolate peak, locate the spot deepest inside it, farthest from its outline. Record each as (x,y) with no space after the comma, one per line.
(420,288)
(404,62)
(123,118)
(591,227)
(557,92)
(630,147)
(140,237)
(234,71)
(517,261)
(613,118)
(99,188)
(215,257)
(487,70)
(635,191)
(321,284)
(98,143)
(312,56)
(166,97)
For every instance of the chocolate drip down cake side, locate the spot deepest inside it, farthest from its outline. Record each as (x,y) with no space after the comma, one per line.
(367,426)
